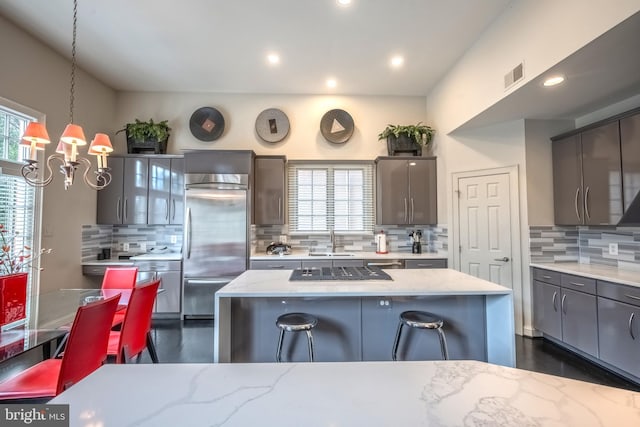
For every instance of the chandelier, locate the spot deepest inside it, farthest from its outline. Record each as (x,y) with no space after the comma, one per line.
(36,137)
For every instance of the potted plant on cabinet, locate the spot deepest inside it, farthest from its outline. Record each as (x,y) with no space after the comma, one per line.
(147,136)
(407,138)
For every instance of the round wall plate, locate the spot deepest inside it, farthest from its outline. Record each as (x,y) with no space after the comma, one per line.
(206,124)
(336,126)
(272,125)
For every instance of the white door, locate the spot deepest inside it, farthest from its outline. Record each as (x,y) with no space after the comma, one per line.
(484,238)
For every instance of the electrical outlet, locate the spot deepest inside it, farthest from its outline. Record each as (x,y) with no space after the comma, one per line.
(384,303)
(143,247)
(125,247)
(174,239)
(613,249)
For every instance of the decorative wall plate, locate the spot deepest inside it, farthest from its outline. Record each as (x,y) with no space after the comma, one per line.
(272,125)
(206,124)
(336,126)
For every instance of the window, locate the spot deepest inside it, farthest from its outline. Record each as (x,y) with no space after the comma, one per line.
(323,196)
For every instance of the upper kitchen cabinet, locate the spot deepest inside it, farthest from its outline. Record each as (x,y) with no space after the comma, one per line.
(166,190)
(406,191)
(270,190)
(587,177)
(124,201)
(630,148)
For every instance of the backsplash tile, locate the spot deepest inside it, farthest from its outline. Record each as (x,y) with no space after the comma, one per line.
(97,237)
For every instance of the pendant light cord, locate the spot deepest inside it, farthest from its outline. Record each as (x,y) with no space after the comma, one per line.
(73,61)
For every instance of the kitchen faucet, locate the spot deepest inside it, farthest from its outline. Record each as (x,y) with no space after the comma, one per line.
(332,237)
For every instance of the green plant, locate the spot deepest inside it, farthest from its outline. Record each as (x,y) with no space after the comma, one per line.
(15,259)
(147,131)
(421,134)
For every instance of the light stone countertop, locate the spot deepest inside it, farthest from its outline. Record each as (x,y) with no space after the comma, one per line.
(429,393)
(109,262)
(304,255)
(598,272)
(412,282)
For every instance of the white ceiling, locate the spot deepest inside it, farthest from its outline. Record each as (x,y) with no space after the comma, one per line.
(221,46)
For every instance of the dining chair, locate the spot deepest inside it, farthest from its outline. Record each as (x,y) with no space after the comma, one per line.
(85,352)
(135,334)
(119,278)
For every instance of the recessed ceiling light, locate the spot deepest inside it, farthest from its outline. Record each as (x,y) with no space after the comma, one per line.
(344,2)
(552,81)
(332,83)
(397,61)
(273,59)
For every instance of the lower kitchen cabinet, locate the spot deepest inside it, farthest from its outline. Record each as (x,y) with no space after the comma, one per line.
(169,300)
(580,321)
(425,263)
(546,303)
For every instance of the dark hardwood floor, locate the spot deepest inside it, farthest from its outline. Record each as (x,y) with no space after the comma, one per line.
(192,341)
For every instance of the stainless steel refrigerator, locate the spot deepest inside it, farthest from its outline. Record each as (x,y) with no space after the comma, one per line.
(216,242)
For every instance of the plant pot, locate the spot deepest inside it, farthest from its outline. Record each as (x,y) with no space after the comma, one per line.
(403,145)
(13,297)
(153,146)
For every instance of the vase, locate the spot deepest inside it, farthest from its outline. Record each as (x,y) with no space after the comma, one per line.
(13,297)
(403,145)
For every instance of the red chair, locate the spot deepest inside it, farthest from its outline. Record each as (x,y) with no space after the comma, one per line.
(85,352)
(119,278)
(135,334)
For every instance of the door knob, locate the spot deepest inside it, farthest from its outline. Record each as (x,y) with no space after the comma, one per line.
(503,259)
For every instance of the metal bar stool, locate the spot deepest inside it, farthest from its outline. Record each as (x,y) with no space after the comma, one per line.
(421,320)
(296,322)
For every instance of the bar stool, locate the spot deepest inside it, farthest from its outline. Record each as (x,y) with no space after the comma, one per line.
(421,320)
(296,322)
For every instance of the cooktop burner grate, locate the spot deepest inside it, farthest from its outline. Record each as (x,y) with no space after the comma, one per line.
(339,273)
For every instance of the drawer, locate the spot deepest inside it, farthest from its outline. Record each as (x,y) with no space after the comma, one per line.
(425,263)
(622,293)
(547,276)
(579,283)
(158,265)
(348,263)
(276,264)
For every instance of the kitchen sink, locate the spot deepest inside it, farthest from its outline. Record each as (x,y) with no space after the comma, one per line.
(332,254)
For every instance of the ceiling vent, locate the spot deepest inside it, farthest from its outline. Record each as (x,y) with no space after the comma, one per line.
(514,76)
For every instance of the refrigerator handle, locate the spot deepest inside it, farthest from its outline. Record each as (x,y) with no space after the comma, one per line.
(188,227)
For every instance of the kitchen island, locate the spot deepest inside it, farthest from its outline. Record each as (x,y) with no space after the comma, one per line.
(427,393)
(357,320)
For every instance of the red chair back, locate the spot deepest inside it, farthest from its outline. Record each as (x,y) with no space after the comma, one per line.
(119,277)
(86,348)
(137,321)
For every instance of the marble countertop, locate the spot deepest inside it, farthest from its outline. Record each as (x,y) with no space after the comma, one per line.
(412,282)
(429,393)
(304,255)
(170,256)
(109,262)
(598,272)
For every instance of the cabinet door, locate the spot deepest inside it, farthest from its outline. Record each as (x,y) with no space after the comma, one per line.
(425,263)
(630,149)
(159,202)
(136,177)
(177,192)
(567,181)
(602,178)
(392,199)
(546,306)
(110,199)
(168,301)
(270,191)
(422,191)
(619,332)
(580,321)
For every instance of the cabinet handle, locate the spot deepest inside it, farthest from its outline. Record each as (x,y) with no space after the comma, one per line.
(125,210)
(576,203)
(553,300)
(279,207)
(412,212)
(631,326)
(576,284)
(276,266)
(188,225)
(118,210)
(166,206)
(424,265)
(586,204)
(383,264)
(405,210)
(632,297)
(173,207)
(562,304)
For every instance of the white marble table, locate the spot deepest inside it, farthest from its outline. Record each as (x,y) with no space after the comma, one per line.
(442,394)
(497,306)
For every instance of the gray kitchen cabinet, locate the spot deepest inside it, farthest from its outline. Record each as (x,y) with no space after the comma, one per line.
(270,190)
(277,264)
(587,177)
(619,326)
(169,300)
(630,152)
(406,191)
(166,191)
(580,321)
(546,309)
(425,263)
(124,200)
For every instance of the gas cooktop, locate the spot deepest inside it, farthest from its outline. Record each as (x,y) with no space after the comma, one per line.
(339,273)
